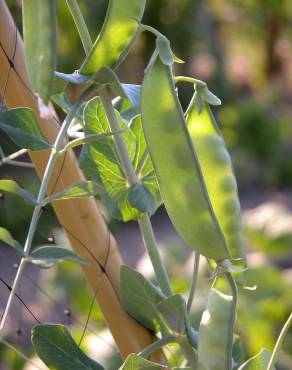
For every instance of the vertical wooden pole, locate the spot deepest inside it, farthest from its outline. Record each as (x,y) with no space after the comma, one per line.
(80,217)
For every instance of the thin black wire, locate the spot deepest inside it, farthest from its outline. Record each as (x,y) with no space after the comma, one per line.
(66,312)
(100,265)
(11,63)
(21,300)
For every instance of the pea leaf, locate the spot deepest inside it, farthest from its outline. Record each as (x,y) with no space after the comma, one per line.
(164,49)
(202,94)
(140,298)
(6,237)
(173,312)
(11,186)
(22,127)
(74,78)
(79,189)
(103,77)
(141,198)
(133,93)
(106,77)
(135,362)
(258,362)
(39,26)
(57,349)
(100,162)
(52,254)
(129,108)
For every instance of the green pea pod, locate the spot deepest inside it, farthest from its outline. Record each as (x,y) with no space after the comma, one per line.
(119,31)
(39,31)
(215,332)
(176,164)
(218,175)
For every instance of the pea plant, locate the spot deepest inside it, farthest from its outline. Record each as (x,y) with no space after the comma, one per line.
(139,149)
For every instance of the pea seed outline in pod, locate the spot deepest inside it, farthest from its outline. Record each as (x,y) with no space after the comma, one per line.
(219,177)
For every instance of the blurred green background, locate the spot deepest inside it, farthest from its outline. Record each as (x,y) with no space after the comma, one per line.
(242,49)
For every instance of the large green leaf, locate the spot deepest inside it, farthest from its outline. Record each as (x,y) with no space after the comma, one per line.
(40,40)
(143,165)
(79,189)
(258,362)
(135,362)
(11,186)
(57,349)
(100,163)
(140,298)
(51,254)
(21,126)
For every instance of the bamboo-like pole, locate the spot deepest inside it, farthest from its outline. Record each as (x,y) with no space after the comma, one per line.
(81,217)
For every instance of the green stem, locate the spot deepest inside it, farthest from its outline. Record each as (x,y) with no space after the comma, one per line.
(151,245)
(153,347)
(119,141)
(41,196)
(231,322)
(80,25)
(10,159)
(132,178)
(190,80)
(194,281)
(279,343)
(145,27)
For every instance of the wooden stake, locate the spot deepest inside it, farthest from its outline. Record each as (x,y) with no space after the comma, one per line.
(80,217)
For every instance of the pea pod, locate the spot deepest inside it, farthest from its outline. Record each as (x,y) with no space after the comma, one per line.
(218,175)
(176,164)
(119,31)
(39,29)
(214,332)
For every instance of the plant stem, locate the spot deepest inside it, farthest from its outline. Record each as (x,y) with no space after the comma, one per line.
(41,196)
(151,245)
(156,345)
(194,281)
(231,322)
(279,343)
(119,141)
(190,80)
(10,159)
(145,27)
(80,25)
(132,178)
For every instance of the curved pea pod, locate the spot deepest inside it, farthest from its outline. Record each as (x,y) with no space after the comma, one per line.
(119,31)
(219,178)
(214,332)
(39,31)
(176,164)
